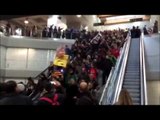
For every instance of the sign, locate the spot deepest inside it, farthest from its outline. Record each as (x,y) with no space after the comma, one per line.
(61,61)
(96,39)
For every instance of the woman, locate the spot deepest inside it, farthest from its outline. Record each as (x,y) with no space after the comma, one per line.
(124,98)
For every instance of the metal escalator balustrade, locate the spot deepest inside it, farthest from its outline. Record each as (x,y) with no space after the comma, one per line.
(133,76)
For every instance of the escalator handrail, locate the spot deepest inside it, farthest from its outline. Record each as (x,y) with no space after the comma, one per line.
(122,71)
(144,100)
(106,86)
(42,72)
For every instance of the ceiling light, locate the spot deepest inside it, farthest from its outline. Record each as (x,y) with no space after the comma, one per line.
(26,22)
(78,15)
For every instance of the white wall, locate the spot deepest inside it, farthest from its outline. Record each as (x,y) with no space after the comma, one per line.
(2,57)
(141,24)
(28,59)
(153,91)
(152,55)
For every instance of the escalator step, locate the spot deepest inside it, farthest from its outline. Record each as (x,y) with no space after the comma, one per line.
(131,86)
(133,90)
(136,100)
(134,94)
(137,103)
(131,79)
(131,83)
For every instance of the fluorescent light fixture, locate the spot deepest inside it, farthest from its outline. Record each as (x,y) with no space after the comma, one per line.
(124,17)
(79,16)
(26,22)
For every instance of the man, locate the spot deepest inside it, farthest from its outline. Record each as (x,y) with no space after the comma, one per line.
(12,96)
(85,97)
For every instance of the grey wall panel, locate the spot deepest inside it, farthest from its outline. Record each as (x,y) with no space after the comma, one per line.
(2,73)
(24,42)
(152,55)
(2,57)
(21,73)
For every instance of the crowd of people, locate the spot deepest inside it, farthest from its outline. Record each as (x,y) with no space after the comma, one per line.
(47,32)
(91,58)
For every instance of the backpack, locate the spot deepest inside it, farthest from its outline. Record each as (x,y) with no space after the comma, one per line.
(53,101)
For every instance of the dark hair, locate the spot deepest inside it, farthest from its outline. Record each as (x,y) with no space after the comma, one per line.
(48,87)
(2,87)
(10,86)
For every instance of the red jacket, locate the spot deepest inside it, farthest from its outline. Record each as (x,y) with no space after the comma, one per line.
(115,52)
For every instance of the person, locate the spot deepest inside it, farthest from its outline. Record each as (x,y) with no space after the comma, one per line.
(13,97)
(145,30)
(48,96)
(45,32)
(2,90)
(124,98)
(138,32)
(71,93)
(155,27)
(85,97)
(30,86)
(21,88)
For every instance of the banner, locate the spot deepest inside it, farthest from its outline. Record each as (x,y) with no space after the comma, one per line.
(61,61)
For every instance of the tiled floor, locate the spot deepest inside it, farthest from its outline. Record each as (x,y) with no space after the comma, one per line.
(153,90)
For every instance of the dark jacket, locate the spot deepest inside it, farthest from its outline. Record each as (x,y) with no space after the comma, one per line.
(15,99)
(86,98)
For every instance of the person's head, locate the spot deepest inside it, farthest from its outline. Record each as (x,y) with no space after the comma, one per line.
(10,86)
(30,80)
(48,87)
(72,82)
(66,46)
(124,98)
(108,52)
(83,86)
(20,88)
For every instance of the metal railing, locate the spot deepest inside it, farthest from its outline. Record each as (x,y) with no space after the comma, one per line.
(144,100)
(109,92)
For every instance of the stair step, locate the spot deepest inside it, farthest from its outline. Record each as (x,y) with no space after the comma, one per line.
(133,90)
(132,74)
(136,100)
(137,103)
(131,83)
(134,94)
(131,80)
(132,77)
(131,86)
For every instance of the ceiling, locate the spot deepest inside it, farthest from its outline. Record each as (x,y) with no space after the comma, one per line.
(41,20)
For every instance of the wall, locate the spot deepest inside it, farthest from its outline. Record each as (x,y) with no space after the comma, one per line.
(25,57)
(152,55)
(122,26)
(2,61)
(153,90)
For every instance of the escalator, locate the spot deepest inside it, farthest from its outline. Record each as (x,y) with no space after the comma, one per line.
(129,73)
(131,80)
